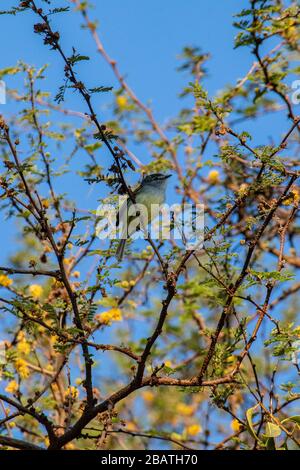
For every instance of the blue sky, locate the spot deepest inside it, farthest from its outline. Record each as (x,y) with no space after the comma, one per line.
(145,38)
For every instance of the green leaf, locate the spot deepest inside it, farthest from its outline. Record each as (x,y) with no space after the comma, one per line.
(77,58)
(293,419)
(9,71)
(13,11)
(249,416)
(59,10)
(106,135)
(100,89)
(272,430)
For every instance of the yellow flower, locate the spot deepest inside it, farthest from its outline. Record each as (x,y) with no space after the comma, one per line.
(76,274)
(176,436)
(21,335)
(235,425)
(292,198)
(213,177)
(243,189)
(290,33)
(148,396)
(130,426)
(12,424)
(35,291)
(77,133)
(169,364)
(296,331)
(47,248)
(23,347)
(230,359)
(184,409)
(121,101)
(124,284)
(70,446)
(5,281)
(112,315)
(54,387)
(116,314)
(12,387)
(68,261)
(71,392)
(78,381)
(46,203)
(193,429)
(22,368)
(53,339)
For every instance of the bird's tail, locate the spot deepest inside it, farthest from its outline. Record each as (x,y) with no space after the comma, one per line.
(120,249)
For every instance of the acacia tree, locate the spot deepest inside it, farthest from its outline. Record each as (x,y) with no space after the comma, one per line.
(170,347)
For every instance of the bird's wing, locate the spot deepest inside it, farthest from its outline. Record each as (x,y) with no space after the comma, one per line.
(121,212)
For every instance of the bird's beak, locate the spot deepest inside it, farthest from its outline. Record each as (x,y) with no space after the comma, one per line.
(167,176)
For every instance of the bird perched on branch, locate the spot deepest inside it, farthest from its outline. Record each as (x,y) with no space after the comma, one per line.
(151,191)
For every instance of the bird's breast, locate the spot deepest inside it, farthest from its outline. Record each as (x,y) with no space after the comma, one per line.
(150,200)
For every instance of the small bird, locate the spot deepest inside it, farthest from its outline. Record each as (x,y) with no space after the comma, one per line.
(152,190)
